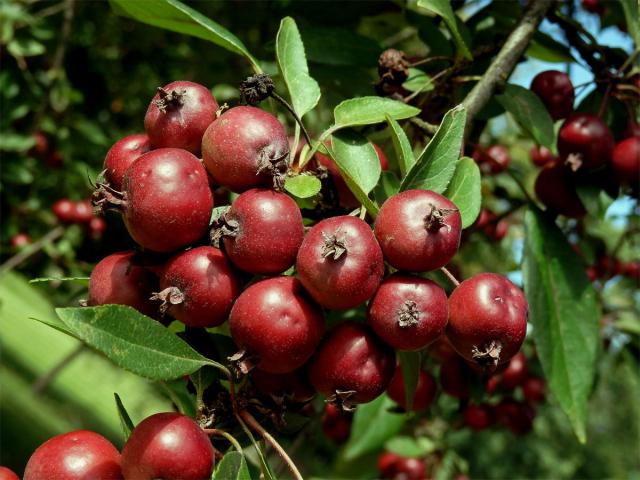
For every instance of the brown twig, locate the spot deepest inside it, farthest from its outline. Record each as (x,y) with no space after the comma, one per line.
(29,250)
(44,380)
(253,423)
(506,60)
(450,276)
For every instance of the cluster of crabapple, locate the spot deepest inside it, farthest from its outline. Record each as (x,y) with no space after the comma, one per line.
(585,145)
(203,272)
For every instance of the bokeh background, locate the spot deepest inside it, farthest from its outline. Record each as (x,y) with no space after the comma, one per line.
(78,75)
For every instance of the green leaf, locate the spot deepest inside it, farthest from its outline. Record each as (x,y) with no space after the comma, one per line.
(125,419)
(369,110)
(133,341)
(233,466)
(178,17)
(56,324)
(402,147)
(304,90)
(303,186)
(388,185)
(410,447)
(177,391)
(437,163)
(25,47)
(443,9)
(465,190)
(418,81)
(364,437)
(410,364)
(13,142)
(356,156)
(339,46)
(631,15)
(529,112)
(543,47)
(595,200)
(564,313)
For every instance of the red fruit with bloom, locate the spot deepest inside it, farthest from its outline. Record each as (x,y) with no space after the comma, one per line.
(351,365)
(585,141)
(198,287)
(179,114)
(262,231)
(122,155)
(556,92)
(79,455)
(246,148)
(170,446)
(408,312)
(418,230)
(118,279)
(555,189)
(626,162)
(340,262)
(276,326)
(540,155)
(487,319)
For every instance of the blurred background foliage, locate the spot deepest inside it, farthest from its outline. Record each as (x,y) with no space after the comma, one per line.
(82,77)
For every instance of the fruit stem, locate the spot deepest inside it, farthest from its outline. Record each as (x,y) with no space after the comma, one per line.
(221,433)
(286,105)
(450,276)
(605,100)
(253,423)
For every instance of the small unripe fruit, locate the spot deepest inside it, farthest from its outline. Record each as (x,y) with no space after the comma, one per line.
(122,155)
(487,319)
(246,148)
(64,210)
(340,262)
(418,230)
(424,393)
(261,232)
(493,159)
(170,446)
(456,377)
(387,464)
(516,372)
(478,417)
(79,455)
(540,155)
(276,325)
(408,312)
(198,287)
(410,469)
(534,390)
(336,423)
(556,92)
(96,228)
(555,189)
(585,141)
(626,162)
(179,114)
(117,279)
(41,145)
(516,416)
(20,240)
(83,212)
(167,187)
(351,365)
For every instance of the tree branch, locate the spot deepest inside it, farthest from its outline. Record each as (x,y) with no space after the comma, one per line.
(507,58)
